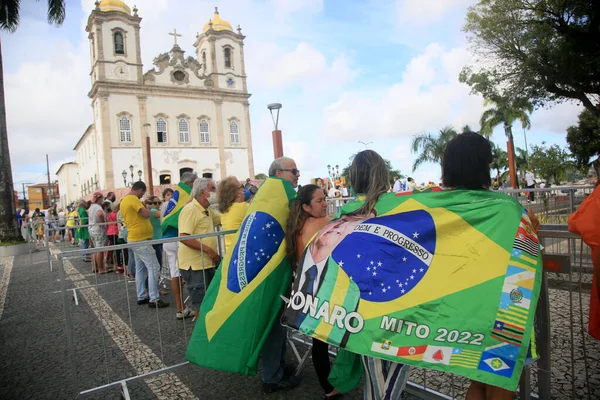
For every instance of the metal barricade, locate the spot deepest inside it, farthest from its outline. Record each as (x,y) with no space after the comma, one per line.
(110,299)
(334,204)
(551,205)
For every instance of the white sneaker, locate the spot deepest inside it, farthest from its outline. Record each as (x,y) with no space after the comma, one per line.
(186,313)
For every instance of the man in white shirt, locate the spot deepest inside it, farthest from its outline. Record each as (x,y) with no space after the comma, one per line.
(397,185)
(344,190)
(97,232)
(411,185)
(530,183)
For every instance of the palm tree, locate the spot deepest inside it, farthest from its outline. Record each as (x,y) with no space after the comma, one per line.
(521,161)
(499,160)
(431,148)
(9,21)
(506,112)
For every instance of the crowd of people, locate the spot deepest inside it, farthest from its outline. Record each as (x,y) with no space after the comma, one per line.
(198,205)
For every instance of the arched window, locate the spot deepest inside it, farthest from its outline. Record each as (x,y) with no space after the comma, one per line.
(234,132)
(227,53)
(204,59)
(204,134)
(161,130)
(184,133)
(119,44)
(125,130)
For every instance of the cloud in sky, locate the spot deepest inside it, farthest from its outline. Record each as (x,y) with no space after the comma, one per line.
(427,98)
(375,71)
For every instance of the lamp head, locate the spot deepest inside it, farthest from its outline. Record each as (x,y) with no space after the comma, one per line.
(124,174)
(131,168)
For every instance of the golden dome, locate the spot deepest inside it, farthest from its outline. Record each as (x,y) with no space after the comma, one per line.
(218,24)
(114,5)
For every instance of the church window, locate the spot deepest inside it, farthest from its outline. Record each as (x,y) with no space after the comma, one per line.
(184,133)
(204,134)
(119,43)
(234,132)
(227,53)
(161,131)
(204,60)
(179,76)
(125,129)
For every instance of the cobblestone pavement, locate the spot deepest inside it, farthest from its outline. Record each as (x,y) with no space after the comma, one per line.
(114,338)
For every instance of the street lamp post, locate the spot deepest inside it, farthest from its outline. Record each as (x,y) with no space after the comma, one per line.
(140,174)
(147,127)
(131,170)
(124,174)
(277,140)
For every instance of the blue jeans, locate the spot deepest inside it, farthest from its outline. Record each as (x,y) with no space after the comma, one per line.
(273,353)
(85,244)
(130,262)
(146,266)
(158,248)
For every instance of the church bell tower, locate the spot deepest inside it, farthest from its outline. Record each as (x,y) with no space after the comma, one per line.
(114,34)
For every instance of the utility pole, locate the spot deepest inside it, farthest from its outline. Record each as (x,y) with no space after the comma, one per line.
(50,194)
(25,205)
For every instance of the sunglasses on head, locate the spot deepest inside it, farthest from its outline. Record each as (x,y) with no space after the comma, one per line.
(154,202)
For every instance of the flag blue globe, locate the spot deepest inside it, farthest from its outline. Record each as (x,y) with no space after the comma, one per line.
(390,255)
(260,238)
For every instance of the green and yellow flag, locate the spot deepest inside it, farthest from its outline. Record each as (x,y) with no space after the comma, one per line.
(243,300)
(445,280)
(180,197)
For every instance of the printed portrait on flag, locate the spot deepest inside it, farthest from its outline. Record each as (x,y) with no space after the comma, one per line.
(437,279)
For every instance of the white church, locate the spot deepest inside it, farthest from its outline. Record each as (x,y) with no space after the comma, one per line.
(195,110)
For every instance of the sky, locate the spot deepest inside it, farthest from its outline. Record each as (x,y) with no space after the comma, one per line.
(346,72)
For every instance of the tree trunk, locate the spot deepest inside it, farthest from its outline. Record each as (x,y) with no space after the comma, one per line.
(512,165)
(9,228)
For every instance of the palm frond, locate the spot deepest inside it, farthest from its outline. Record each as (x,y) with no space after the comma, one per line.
(56,11)
(9,15)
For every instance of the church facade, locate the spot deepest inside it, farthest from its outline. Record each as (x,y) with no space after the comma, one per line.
(194,110)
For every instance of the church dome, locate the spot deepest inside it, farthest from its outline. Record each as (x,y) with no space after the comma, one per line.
(218,24)
(114,5)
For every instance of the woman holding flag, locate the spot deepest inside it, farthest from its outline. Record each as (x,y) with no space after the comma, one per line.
(308,215)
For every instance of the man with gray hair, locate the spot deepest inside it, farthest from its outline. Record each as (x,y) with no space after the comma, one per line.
(276,376)
(198,258)
(285,168)
(170,229)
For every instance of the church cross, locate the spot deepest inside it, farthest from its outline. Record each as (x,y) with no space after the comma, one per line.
(175,35)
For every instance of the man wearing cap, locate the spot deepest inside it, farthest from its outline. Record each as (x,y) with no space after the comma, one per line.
(97,231)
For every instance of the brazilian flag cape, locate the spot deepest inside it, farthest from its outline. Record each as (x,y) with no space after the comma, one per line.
(243,300)
(180,197)
(444,280)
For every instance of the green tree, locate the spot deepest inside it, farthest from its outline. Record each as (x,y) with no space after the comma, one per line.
(584,141)
(431,148)
(9,21)
(545,50)
(392,171)
(499,160)
(261,176)
(551,163)
(505,112)
(521,161)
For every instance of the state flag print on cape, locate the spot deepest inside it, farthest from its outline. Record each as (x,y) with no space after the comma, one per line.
(243,300)
(436,280)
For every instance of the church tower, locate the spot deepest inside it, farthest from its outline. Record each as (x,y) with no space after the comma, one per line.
(181,114)
(114,34)
(221,52)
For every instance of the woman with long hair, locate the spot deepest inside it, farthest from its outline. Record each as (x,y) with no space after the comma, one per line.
(231,204)
(369,179)
(308,214)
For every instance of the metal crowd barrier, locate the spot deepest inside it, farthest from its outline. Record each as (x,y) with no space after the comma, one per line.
(91,292)
(551,205)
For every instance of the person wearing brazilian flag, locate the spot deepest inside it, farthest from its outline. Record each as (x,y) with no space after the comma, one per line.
(352,280)
(170,229)
(240,314)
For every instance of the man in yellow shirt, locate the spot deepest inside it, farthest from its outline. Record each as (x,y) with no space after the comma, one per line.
(198,258)
(139,229)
